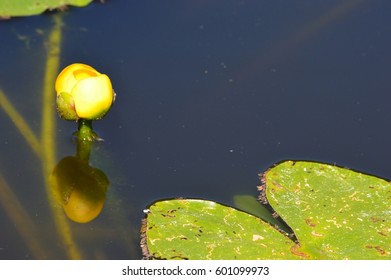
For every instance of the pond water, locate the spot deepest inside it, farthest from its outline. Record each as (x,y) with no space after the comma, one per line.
(209,95)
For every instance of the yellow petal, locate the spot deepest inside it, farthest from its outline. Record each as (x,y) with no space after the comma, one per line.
(71,74)
(93,97)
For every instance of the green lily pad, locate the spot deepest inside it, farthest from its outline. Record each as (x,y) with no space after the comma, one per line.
(334,212)
(9,8)
(201,229)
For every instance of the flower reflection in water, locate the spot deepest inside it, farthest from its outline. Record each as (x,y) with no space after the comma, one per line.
(80,188)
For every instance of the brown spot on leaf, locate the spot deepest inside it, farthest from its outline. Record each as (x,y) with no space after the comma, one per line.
(310,222)
(277,185)
(179,257)
(169,215)
(375,220)
(382,233)
(295,250)
(379,249)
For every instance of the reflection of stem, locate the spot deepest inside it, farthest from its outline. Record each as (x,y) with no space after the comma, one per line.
(47,137)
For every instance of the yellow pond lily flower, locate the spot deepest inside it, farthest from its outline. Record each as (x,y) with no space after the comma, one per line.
(83,93)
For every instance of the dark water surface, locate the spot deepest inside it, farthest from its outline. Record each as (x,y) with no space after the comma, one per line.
(209,94)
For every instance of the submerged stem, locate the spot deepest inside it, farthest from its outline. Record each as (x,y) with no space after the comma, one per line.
(20,123)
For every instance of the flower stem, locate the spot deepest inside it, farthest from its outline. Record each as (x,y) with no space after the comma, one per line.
(84,137)
(85,132)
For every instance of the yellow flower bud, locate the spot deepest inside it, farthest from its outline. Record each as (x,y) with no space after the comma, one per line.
(83,93)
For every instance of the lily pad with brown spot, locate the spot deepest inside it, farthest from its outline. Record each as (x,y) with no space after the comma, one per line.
(202,229)
(334,212)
